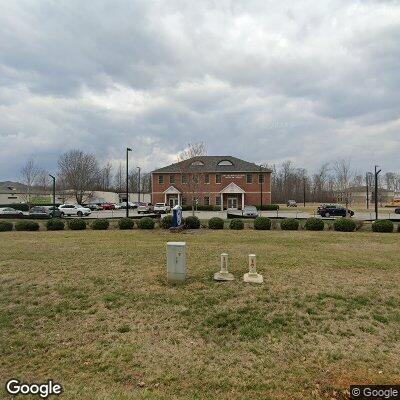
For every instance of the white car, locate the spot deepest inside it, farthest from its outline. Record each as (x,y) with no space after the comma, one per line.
(145,208)
(10,212)
(74,209)
(250,211)
(161,208)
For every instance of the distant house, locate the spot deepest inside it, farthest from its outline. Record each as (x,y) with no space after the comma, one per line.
(225,182)
(358,195)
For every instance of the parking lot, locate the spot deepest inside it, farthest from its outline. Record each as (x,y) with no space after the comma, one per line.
(383,214)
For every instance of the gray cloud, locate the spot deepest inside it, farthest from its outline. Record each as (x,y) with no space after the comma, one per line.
(261,80)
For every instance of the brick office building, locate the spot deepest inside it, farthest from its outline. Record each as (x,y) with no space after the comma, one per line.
(222,181)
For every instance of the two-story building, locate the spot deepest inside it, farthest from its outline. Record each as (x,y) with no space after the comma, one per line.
(222,181)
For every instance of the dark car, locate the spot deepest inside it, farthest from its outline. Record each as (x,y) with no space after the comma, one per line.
(332,210)
(45,212)
(397,210)
(94,207)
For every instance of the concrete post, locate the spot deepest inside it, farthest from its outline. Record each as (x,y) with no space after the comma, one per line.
(252,276)
(223,274)
(176,261)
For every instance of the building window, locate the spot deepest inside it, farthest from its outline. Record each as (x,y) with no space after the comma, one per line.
(195,178)
(207,178)
(218,178)
(206,200)
(218,201)
(225,163)
(196,201)
(160,179)
(184,178)
(261,178)
(172,178)
(249,178)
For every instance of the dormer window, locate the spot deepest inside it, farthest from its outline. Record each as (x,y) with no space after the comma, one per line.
(225,162)
(196,163)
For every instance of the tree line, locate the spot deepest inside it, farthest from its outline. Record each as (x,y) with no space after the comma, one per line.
(81,174)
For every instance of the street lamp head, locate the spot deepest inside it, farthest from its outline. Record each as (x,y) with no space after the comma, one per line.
(128,149)
(51,176)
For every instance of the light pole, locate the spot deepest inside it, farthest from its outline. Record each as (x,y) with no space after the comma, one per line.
(367,185)
(128,149)
(54,194)
(376,190)
(261,187)
(138,185)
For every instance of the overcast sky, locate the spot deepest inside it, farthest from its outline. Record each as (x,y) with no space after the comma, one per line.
(265,81)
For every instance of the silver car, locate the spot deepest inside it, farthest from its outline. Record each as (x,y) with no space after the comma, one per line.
(250,211)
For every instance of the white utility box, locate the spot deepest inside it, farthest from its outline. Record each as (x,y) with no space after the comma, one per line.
(176,261)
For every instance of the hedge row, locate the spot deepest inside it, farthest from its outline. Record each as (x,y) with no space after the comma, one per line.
(192,222)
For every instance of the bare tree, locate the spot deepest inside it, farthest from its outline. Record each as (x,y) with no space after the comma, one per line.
(80,172)
(145,181)
(30,173)
(343,180)
(118,179)
(193,173)
(105,179)
(43,180)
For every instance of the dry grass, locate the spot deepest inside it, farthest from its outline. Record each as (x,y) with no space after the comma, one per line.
(93,311)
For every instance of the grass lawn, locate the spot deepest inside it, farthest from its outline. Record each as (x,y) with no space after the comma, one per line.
(93,311)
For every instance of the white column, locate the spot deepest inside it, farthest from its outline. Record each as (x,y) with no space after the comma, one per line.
(165,198)
(179,199)
(222,202)
(242,201)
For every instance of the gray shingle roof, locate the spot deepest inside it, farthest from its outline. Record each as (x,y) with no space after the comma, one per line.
(211,165)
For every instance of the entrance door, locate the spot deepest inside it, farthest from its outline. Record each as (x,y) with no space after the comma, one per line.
(232,203)
(173,201)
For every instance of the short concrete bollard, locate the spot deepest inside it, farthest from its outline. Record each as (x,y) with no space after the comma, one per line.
(252,276)
(223,274)
(176,261)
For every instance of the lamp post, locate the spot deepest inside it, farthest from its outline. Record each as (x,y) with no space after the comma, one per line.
(139,185)
(54,194)
(261,187)
(367,185)
(128,149)
(376,190)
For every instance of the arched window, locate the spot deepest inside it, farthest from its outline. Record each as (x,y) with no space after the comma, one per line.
(225,162)
(194,163)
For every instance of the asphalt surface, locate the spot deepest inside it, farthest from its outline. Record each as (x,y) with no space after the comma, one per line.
(223,214)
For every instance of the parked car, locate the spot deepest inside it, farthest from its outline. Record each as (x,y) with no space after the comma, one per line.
(108,206)
(117,206)
(291,203)
(333,210)
(130,205)
(161,208)
(45,212)
(94,207)
(397,210)
(250,211)
(74,209)
(10,212)
(145,208)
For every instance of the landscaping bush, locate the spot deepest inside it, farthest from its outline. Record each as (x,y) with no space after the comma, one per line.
(146,223)
(262,224)
(100,224)
(290,224)
(55,224)
(192,222)
(383,226)
(236,224)
(268,207)
(6,226)
(77,224)
(344,225)
(26,226)
(314,224)
(216,223)
(166,222)
(126,223)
